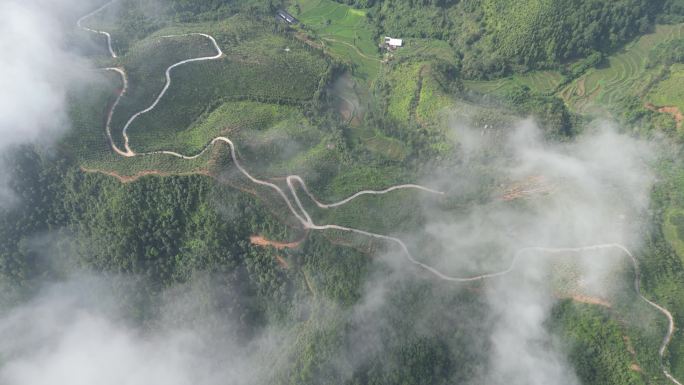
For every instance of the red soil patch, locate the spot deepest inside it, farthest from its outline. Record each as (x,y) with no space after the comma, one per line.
(590,300)
(258,240)
(670,110)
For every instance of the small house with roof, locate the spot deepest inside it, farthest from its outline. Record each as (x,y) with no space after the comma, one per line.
(392,43)
(285,16)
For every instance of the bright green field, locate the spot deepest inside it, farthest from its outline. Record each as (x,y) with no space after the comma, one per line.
(405,85)
(344,31)
(432,100)
(416,94)
(670,91)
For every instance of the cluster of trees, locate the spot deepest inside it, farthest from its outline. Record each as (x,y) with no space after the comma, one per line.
(667,53)
(558,122)
(673,12)
(598,348)
(132,20)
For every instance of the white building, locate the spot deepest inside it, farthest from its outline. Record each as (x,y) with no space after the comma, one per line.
(392,42)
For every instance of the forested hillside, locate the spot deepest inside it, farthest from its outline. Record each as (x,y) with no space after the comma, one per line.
(499,200)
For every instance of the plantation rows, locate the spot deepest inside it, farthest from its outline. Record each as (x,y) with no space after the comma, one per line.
(145,64)
(259,70)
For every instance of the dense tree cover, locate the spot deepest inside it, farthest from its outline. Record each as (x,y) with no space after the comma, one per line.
(673,12)
(163,230)
(338,273)
(598,349)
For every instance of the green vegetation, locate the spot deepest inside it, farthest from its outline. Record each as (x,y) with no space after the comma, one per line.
(264,68)
(494,38)
(345,33)
(164,229)
(599,348)
(669,91)
(539,81)
(628,73)
(129,21)
(145,64)
(673,229)
(281,94)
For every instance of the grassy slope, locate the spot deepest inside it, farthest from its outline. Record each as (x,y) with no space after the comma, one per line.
(344,31)
(669,91)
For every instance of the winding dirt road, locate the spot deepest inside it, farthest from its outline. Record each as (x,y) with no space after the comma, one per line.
(79,24)
(298,210)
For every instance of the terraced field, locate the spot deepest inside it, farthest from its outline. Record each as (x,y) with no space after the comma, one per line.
(625,75)
(540,81)
(344,32)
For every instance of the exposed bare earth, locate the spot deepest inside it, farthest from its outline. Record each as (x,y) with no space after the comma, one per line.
(674,111)
(261,241)
(591,300)
(533,185)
